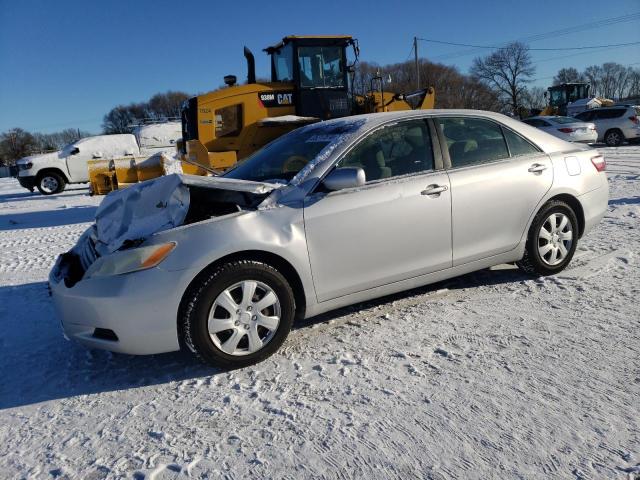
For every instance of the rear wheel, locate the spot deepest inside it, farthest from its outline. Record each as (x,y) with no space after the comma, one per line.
(613,138)
(551,241)
(238,314)
(50,182)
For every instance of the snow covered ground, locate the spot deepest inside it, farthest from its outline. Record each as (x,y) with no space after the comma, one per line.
(492,375)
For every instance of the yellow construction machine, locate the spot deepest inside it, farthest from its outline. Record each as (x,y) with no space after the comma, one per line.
(311,81)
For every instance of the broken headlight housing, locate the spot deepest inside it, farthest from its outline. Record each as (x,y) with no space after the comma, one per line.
(131,260)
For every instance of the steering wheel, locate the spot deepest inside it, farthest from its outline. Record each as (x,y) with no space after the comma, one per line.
(294,164)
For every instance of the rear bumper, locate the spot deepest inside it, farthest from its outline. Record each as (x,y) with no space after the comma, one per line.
(27,182)
(140,308)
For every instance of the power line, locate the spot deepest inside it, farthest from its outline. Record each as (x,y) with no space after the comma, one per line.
(494,47)
(554,33)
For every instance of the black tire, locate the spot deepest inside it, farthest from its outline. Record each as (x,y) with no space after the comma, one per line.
(201,295)
(532,262)
(49,183)
(613,138)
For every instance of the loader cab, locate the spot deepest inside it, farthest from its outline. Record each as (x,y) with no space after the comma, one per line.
(317,69)
(565,93)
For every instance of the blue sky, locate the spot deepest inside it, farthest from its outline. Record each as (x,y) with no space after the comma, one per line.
(64,64)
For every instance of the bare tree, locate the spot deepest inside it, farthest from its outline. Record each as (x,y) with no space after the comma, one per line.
(452,89)
(507,70)
(568,75)
(14,144)
(535,98)
(166,105)
(121,119)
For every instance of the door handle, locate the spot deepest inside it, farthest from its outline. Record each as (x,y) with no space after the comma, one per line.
(537,168)
(434,189)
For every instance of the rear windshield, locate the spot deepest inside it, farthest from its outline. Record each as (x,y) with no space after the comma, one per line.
(562,120)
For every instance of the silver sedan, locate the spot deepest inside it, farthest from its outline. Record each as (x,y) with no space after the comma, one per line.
(566,128)
(329,215)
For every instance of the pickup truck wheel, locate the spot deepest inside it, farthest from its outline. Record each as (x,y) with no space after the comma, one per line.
(237,314)
(50,182)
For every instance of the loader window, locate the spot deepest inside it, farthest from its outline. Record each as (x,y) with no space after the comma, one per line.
(228,121)
(283,64)
(321,67)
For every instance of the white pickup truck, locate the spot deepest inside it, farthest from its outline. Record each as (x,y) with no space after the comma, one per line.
(51,172)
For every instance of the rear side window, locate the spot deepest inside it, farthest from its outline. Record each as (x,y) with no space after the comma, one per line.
(610,113)
(473,140)
(585,116)
(518,145)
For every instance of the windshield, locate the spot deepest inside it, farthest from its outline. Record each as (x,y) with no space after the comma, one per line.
(285,157)
(562,120)
(321,67)
(282,159)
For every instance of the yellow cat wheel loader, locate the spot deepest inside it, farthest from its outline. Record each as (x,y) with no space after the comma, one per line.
(310,82)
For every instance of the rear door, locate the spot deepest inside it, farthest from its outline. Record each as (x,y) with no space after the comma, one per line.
(395,227)
(497,179)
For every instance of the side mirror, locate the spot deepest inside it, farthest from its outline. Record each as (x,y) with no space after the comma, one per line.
(346,177)
(75,151)
(97,154)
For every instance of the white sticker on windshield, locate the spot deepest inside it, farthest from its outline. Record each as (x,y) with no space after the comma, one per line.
(321,138)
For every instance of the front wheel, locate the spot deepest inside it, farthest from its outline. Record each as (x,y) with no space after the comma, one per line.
(50,182)
(238,314)
(551,241)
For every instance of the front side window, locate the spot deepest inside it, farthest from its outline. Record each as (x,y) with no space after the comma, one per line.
(392,151)
(473,140)
(321,67)
(228,121)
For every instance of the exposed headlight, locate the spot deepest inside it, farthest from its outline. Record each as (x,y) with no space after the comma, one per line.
(25,166)
(128,261)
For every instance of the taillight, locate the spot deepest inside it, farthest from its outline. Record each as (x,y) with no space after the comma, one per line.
(634,119)
(599,163)
(566,130)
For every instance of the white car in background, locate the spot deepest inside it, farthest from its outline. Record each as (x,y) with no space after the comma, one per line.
(566,128)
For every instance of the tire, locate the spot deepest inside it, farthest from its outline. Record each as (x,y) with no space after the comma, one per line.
(613,138)
(209,296)
(539,253)
(49,183)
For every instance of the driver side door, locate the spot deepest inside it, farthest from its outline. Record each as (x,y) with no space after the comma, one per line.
(397,226)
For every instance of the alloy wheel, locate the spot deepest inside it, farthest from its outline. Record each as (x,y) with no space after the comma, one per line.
(555,238)
(244,318)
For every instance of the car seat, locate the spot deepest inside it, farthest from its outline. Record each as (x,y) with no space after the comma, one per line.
(374,163)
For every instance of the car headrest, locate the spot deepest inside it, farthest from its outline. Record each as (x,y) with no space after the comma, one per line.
(456,132)
(415,137)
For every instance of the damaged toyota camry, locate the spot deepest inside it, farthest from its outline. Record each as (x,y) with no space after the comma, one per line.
(328,215)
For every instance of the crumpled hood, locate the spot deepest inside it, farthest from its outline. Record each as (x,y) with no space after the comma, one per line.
(40,158)
(137,212)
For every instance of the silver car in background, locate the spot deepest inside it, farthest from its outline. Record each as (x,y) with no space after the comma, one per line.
(566,128)
(331,214)
(615,124)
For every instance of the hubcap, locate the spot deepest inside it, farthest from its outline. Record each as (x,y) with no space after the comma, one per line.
(244,318)
(49,184)
(555,239)
(614,137)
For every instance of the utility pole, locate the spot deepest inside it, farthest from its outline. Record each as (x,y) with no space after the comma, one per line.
(415,50)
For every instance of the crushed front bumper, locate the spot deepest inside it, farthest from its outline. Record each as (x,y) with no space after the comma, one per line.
(137,310)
